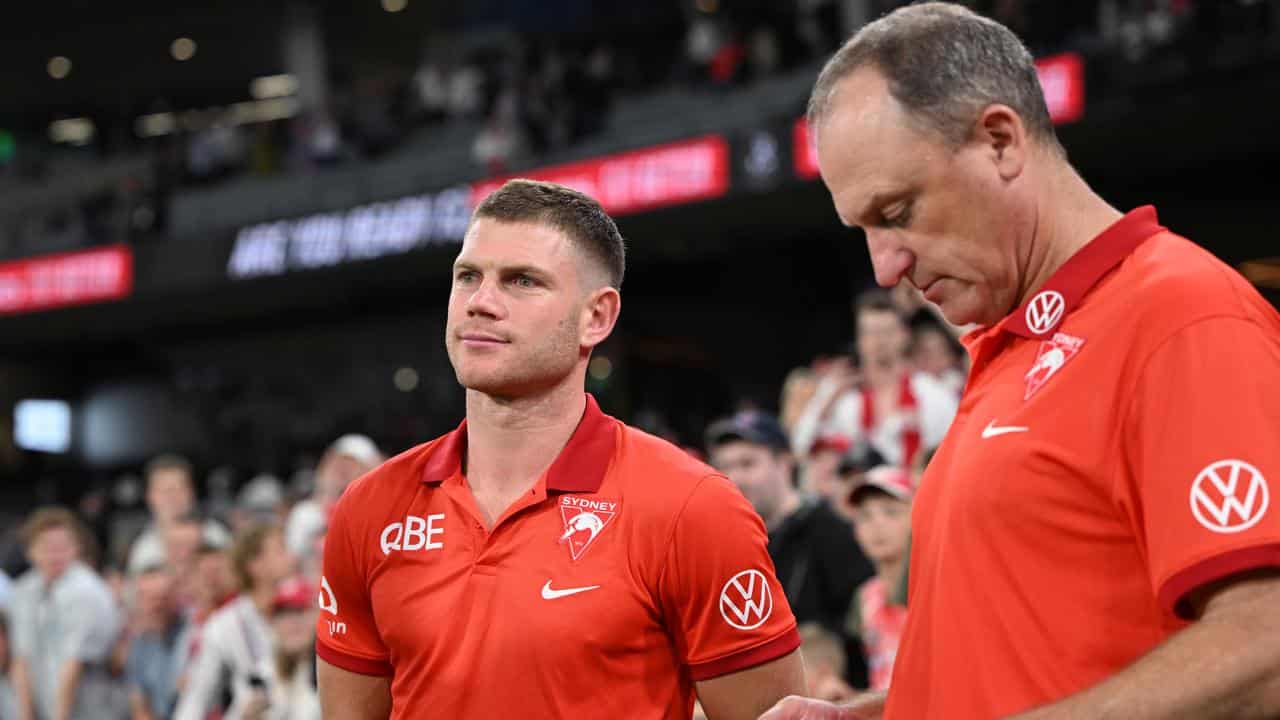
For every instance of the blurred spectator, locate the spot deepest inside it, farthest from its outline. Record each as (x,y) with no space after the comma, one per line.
(881,507)
(235,650)
(935,352)
(431,92)
(821,469)
(8,700)
(261,500)
(213,587)
(812,548)
(290,692)
(157,628)
(797,390)
(884,406)
(170,495)
(824,664)
(349,457)
(65,624)
(6,591)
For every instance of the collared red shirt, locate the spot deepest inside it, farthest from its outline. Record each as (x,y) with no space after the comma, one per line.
(1115,449)
(628,572)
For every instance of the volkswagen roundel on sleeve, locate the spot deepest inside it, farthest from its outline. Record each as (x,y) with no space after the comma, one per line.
(1116,449)
(628,573)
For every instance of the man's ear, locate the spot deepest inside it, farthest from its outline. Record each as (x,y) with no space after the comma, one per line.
(1000,132)
(599,315)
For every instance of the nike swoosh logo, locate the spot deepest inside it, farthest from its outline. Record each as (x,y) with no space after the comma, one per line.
(991,430)
(549,594)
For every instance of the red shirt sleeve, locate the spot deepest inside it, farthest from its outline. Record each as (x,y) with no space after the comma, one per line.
(720,596)
(1203,435)
(346,633)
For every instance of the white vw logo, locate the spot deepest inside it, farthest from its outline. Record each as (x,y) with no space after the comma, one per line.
(746,601)
(1229,496)
(1045,310)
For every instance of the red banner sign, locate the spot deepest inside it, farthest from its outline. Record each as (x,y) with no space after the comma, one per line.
(1062,78)
(647,179)
(803,150)
(77,278)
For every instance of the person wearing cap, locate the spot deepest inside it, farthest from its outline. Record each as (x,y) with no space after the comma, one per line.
(288,691)
(881,507)
(820,471)
(235,650)
(213,586)
(346,459)
(812,547)
(1096,537)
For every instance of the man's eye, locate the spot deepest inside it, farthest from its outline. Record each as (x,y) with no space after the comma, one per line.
(898,217)
(524,281)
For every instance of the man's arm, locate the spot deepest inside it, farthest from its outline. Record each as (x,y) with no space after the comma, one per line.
(1226,665)
(203,680)
(345,695)
(22,689)
(745,694)
(68,684)
(138,708)
(868,706)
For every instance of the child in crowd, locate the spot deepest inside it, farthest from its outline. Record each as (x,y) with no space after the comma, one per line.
(881,509)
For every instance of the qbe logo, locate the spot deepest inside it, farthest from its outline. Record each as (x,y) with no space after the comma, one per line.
(413,534)
(746,600)
(1229,496)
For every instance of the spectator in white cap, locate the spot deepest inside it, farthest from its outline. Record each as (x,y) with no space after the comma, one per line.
(260,500)
(349,457)
(881,507)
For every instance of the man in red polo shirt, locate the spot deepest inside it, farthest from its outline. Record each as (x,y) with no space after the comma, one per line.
(1096,537)
(545,560)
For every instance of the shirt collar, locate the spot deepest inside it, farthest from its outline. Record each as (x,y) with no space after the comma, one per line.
(580,467)
(1044,311)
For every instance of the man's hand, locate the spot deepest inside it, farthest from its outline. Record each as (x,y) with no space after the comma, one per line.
(868,706)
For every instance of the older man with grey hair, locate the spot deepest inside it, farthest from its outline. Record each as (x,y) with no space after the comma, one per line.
(1092,539)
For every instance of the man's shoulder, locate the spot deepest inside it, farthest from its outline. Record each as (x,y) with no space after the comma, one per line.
(1172,278)
(82,583)
(652,467)
(1169,287)
(225,618)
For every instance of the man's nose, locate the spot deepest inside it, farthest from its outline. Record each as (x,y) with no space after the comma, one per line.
(484,301)
(889,258)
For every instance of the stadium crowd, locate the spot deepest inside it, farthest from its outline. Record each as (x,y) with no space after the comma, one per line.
(194,608)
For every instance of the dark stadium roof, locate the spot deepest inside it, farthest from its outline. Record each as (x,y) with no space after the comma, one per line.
(121,63)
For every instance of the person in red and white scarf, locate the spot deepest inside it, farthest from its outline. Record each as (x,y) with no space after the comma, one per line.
(883,405)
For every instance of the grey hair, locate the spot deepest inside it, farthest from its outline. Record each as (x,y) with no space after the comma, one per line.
(944,64)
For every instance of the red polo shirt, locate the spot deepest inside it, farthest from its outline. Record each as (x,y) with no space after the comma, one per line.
(1114,450)
(627,573)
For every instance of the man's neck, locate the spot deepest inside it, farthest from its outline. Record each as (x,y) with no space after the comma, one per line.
(790,503)
(512,441)
(890,573)
(262,597)
(1069,215)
